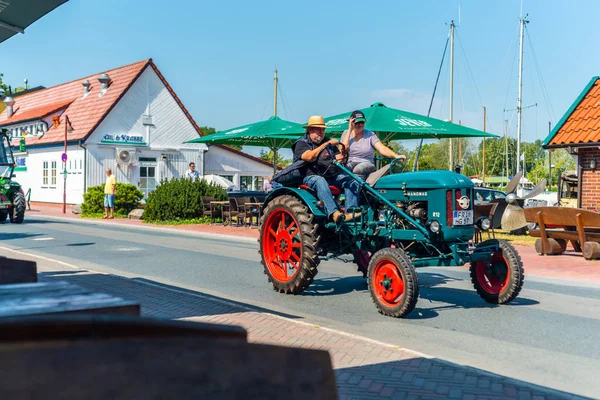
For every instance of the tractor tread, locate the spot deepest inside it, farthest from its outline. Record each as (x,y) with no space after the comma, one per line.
(310,261)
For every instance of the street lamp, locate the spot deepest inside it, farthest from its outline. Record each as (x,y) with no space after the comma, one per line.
(68,129)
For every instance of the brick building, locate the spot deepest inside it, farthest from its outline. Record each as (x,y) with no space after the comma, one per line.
(578,132)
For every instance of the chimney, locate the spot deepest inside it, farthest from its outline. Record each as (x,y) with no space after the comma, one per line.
(86,87)
(104,80)
(10,102)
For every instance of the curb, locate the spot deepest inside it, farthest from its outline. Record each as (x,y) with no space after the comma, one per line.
(154,228)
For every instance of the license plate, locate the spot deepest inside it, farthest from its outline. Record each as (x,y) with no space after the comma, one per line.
(463,217)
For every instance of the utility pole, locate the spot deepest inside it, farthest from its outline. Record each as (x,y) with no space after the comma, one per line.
(523,21)
(64,160)
(450,161)
(275,82)
(483,173)
(550,158)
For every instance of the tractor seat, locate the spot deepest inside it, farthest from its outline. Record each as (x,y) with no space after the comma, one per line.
(336,191)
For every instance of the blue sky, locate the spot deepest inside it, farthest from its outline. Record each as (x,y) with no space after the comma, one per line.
(332,56)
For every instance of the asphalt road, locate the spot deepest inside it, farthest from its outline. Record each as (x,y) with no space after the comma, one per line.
(549,336)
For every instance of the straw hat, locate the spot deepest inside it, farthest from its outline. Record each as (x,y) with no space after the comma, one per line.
(316,121)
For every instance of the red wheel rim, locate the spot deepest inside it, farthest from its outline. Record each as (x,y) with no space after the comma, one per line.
(282,245)
(494,277)
(388,283)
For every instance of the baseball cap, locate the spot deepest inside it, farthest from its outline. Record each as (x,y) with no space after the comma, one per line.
(359,116)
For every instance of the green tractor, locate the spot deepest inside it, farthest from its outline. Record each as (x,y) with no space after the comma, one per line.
(407,220)
(12,198)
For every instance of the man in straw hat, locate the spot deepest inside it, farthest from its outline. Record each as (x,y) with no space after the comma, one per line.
(319,152)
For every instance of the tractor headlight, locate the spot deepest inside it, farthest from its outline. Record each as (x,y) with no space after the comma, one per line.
(7,186)
(484,223)
(434,226)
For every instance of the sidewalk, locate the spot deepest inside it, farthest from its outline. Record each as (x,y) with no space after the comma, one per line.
(365,369)
(569,265)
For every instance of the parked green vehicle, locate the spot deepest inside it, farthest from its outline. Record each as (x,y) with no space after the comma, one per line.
(408,220)
(12,198)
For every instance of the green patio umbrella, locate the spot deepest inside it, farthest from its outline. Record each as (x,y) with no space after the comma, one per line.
(393,124)
(274,133)
(15,16)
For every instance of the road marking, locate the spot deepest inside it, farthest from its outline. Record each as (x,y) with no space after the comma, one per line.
(43,238)
(128,249)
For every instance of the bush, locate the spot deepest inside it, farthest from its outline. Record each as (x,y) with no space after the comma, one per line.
(127,199)
(180,199)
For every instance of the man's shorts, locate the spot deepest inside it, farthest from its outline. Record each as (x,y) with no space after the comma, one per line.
(109,200)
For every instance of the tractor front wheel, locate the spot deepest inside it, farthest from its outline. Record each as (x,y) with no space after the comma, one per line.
(393,282)
(17,213)
(500,279)
(288,245)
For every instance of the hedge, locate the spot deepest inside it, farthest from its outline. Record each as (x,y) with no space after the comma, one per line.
(127,198)
(180,200)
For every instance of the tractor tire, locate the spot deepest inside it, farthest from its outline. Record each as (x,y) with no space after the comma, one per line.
(393,282)
(288,245)
(502,281)
(3,216)
(17,213)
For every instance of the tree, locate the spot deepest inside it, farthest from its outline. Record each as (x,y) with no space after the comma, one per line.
(2,85)
(268,156)
(209,130)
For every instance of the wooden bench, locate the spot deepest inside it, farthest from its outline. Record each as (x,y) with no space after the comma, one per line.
(17,271)
(48,298)
(115,358)
(557,225)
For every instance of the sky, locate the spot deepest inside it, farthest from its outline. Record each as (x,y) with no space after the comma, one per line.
(332,56)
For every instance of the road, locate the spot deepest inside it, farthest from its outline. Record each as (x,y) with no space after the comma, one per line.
(549,336)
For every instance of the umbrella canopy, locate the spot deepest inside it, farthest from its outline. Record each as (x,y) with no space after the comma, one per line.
(15,16)
(219,180)
(273,133)
(393,124)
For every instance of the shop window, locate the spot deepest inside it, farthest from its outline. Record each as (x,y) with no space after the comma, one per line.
(45,173)
(245,183)
(259,183)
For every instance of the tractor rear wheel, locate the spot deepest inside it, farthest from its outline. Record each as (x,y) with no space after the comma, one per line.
(17,213)
(393,282)
(500,280)
(288,245)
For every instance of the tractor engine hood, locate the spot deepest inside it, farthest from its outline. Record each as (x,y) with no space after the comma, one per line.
(424,180)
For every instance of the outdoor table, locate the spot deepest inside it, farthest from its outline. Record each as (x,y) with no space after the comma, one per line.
(217,203)
(59,297)
(259,207)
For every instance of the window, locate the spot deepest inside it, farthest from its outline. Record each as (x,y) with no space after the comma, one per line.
(45,173)
(245,182)
(259,183)
(53,173)
(230,177)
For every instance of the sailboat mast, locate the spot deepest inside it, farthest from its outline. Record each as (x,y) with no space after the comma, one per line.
(275,81)
(450,166)
(523,21)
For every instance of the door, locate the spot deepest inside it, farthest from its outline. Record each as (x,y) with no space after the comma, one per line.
(148,177)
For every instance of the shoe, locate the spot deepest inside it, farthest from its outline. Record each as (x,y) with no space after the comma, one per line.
(351,217)
(338,217)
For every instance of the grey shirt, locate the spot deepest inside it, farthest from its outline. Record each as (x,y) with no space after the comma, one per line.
(361,150)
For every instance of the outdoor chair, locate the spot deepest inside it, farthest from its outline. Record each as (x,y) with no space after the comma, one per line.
(233,210)
(209,212)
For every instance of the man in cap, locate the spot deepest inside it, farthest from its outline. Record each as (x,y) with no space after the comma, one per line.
(319,152)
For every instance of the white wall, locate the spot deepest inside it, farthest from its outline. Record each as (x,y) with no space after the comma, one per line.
(52,192)
(222,162)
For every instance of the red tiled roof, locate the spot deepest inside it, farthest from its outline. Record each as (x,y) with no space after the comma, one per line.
(86,113)
(36,113)
(581,123)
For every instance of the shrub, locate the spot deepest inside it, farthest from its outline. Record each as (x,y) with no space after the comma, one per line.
(180,199)
(127,199)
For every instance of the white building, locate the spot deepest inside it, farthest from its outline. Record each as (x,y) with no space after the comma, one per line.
(128,119)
